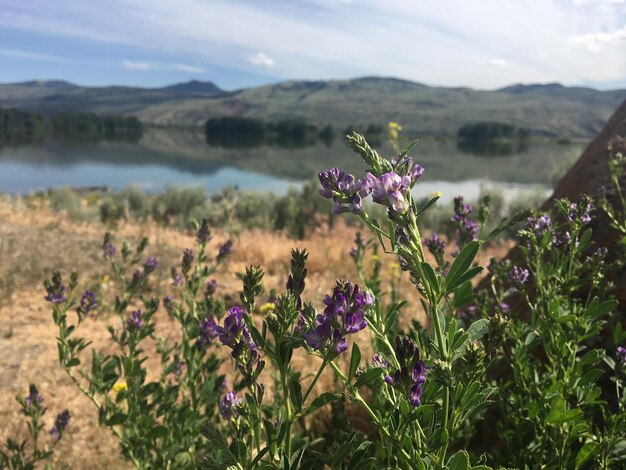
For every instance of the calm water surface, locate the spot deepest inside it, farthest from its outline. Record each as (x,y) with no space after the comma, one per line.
(181,158)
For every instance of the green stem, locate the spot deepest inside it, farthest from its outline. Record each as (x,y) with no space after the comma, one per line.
(287,404)
(315,379)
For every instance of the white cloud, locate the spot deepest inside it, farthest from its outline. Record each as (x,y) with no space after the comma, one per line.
(22,54)
(261,59)
(188,68)
(497,62)
(131,64)
(596,41)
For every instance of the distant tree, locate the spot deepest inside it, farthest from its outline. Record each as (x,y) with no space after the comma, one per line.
(22,127)
(327,135)
(230,131)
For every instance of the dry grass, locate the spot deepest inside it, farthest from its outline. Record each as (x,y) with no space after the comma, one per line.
(36,241)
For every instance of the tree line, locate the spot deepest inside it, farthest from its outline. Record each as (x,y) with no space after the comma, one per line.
(22,127)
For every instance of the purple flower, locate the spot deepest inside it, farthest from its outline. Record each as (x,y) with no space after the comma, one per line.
(468,313)
(228,405)
(60,423)
(436,246)
(88,302)
(580,210)
(203,235)
(344,189)
(55,289)
(390,190)
(411,375)
(108,249)
(620,355)
(344,314)
(150,265)
(504,307)
(236,335)
(404,165)
(187,260)
(467,229)
(378,360)
(33,398)
(207,330)
(134,322)
(177,279)
(517,276)
(211,287)
(225,250)
(539,225)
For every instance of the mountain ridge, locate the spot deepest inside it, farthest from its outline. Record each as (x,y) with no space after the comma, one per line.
(549,109)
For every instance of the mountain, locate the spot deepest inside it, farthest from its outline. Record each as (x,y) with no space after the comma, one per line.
(51,96)
(546,109)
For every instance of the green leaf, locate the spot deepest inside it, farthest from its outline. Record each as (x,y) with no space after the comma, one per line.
(320,401)
(463,278)
(355,360)
(368,377)
(73,363)
(559,415)
(117,418)
(355,461)
(478,329)
(431,278)
(295,393)
(461,264)
(426,206)
(392,315)
(157,432)
(459,461)
(585,453)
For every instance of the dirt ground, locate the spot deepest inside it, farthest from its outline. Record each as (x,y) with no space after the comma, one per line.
(34,242)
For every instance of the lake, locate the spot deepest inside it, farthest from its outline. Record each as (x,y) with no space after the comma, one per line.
(182,158)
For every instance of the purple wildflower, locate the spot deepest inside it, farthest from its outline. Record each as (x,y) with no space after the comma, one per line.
(150,265)
(108,249)
(620,355)
(134,322)
(411,375)
(539,225)
(436,246)
(378,360)
(469,313)
(88,302)
(344,189)
(228,405)
(177,279)
(236,335)
(467,229)
(580,210)
(225,249)
(211,287)
(404,165)
(33,398)
(504,307)
(517,276)
(60,423)
(203,235)
(187,260)
(55,289)
(207,330)
(390,190)
(344,314)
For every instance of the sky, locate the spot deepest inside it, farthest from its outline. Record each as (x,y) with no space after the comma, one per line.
(482,44)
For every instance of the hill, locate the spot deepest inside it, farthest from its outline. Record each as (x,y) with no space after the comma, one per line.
(546,109)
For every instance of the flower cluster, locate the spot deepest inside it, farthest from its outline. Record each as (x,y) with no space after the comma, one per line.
(33,398)
(467,229)
(134,322)
(411,375)
(540,225)
(55,289)
(236,335)
(517,276)
(225,250)
(60,423)
(203,235)
(229,405)
(88,302)
(389,189)
(108,249)
(359,246)
(436,246)
(207,330)
(344,314)
(150,265)
(187,260)
(344,189)
(580,211)
(211,287)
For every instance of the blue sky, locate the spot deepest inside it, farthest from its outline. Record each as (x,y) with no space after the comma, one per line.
(239,43)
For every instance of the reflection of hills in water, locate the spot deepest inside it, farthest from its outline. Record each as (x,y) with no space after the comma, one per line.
(186,151)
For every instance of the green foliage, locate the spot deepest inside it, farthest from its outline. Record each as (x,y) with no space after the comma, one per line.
(20,127)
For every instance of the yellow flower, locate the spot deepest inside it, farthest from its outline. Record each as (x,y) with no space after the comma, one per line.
(375,258)
(267,308)
(437,194)
(395,269)
(119,386)
(394,125)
